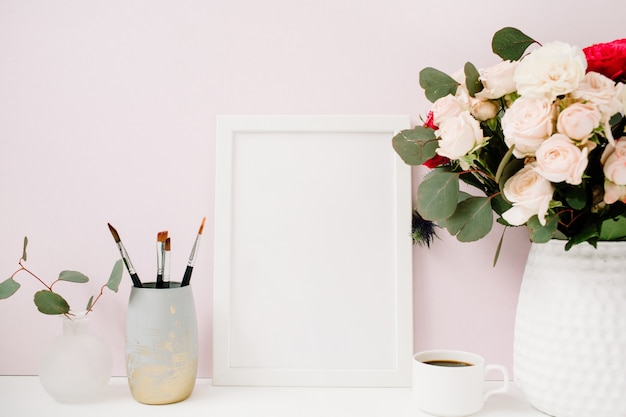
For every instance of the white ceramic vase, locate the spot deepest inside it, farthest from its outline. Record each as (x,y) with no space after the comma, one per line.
(77,365)
(570,330)
(161,343)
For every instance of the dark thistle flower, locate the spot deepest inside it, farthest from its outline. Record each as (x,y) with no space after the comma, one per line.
(423,231)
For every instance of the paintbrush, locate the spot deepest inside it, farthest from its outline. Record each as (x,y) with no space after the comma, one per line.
(125,257)
(166,263)
(160,248)
(192,257)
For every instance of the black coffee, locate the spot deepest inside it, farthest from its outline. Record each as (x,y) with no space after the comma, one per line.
(448,363)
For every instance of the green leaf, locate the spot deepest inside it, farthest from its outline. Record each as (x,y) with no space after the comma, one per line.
(499,248)
(49,302)
(73,276)
(472,79)
(415,146)
(505,160)
(613,229)
(438,195)
(437,84)
(510,43)
(576,197)
(116,276)
(472,220)
(8,287)
(540,233)
(24,248)
(89,303)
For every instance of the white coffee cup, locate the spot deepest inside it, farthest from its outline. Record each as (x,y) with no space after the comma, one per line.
(451,383)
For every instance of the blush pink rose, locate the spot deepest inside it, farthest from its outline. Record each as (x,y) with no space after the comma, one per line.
(614,168)
(526,124)
(459,136)
(578,121)
(530,194)
(559,159)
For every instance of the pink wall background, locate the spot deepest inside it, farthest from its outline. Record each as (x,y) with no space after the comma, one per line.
(107,114)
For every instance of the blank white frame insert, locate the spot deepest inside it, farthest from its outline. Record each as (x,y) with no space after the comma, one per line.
(313,253)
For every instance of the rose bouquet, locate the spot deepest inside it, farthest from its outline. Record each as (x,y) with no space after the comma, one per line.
(540,136)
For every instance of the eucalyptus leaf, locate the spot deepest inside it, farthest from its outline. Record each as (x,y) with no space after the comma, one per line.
(89,304)
(472,220)
(49,302)
(542,233)
(438,195)
(510,43)
(24,248)
(415,146)
(472,79)
(73,276)
(437,84)
(613,229)
(8,287)
(116,276)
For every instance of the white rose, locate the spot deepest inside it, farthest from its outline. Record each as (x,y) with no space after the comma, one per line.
(530,194)
(614,168)
(550,71)
(559,159)
(526,124)
(622,97)
(447,107)
(459,136)
(578,120)
(601,91)
(498,80)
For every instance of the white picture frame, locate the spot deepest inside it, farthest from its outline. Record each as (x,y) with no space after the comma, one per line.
(313,253)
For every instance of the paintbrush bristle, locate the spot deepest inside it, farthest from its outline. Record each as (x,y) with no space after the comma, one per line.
(167,244)
(202,226)
(162,236)
(116,236)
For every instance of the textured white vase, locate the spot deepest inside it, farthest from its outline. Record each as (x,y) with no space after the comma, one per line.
(570,330)
(77,364)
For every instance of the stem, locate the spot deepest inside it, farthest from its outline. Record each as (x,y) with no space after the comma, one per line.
(23,268)
(96,299)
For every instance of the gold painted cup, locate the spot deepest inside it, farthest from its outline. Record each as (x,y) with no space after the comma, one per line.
(161,343)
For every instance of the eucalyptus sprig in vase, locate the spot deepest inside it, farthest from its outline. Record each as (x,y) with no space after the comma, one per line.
(77,364)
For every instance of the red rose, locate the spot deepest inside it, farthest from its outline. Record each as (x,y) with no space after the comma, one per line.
(608,59)
(436,161)
(430,121)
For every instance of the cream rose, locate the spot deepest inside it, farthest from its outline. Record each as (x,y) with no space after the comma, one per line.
(559,159)
(614,168)
(483,109)
(498,80)
(530,194)
(550,71)
(622,97)
(602,92)
(526,124)
(578,121)
(446,108)
(459,136)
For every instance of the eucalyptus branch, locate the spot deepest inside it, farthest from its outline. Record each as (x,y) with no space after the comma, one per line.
(50,302)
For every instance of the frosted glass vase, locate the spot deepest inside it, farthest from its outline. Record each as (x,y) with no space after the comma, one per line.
(77,365)
(570,330)
(161,343)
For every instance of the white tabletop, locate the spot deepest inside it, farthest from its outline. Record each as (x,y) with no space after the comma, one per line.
(24,396)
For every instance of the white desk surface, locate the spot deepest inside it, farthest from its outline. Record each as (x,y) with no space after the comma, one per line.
(24,396)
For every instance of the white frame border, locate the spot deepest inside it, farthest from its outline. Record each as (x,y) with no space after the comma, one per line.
(223,373)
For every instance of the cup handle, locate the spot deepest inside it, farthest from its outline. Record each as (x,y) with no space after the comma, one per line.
(505,378)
